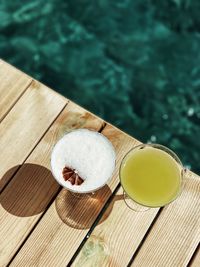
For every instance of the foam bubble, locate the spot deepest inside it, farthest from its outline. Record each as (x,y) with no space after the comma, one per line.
(90,153)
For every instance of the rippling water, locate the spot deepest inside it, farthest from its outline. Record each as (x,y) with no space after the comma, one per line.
(134,63)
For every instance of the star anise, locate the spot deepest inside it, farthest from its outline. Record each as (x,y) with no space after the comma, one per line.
(72,176)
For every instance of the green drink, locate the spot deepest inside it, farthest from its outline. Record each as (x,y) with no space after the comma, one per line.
(151,176)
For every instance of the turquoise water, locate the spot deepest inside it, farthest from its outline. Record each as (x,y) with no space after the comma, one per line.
(134,63)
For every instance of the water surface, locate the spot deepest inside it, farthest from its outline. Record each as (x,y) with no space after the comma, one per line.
(134,63)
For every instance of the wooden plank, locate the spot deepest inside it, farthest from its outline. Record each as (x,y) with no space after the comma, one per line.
(196,260)
(119,232)
(13,83)
(176,233)
(26,197)
(63,227)
(25,124)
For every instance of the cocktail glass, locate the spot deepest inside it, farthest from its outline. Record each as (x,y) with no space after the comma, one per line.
(151,176)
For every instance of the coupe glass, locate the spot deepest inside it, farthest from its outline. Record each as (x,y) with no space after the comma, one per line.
(132,201)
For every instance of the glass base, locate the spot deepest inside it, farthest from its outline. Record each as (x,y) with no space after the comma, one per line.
(134,205)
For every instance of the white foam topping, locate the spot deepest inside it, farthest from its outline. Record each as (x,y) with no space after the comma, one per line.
(90,153)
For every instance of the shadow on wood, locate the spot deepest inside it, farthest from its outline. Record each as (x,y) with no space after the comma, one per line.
(30,191)
(78,211)
(7,176)
(110,207)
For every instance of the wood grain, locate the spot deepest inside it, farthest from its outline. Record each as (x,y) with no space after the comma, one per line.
(176,233)
(63,227)
(26,197)
(12,85)
(25,124)
(27,110)
(119,232)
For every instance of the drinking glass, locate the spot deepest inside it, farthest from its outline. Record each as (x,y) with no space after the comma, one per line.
(58,160)
(151,178)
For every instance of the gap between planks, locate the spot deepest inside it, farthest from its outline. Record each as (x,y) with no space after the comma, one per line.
(195,260)
(93,226)
(116,229)
(24,125)
(176,234)
(46,235)
(50,203)
(19,167)
(145,236)
(71,118)
(120,231)
(37,222)
(97,221)
(16,100)
(38,141)
(104,208)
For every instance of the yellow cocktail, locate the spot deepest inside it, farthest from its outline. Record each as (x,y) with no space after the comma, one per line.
(151,175)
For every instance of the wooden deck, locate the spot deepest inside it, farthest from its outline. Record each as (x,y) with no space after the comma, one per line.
(42,224)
